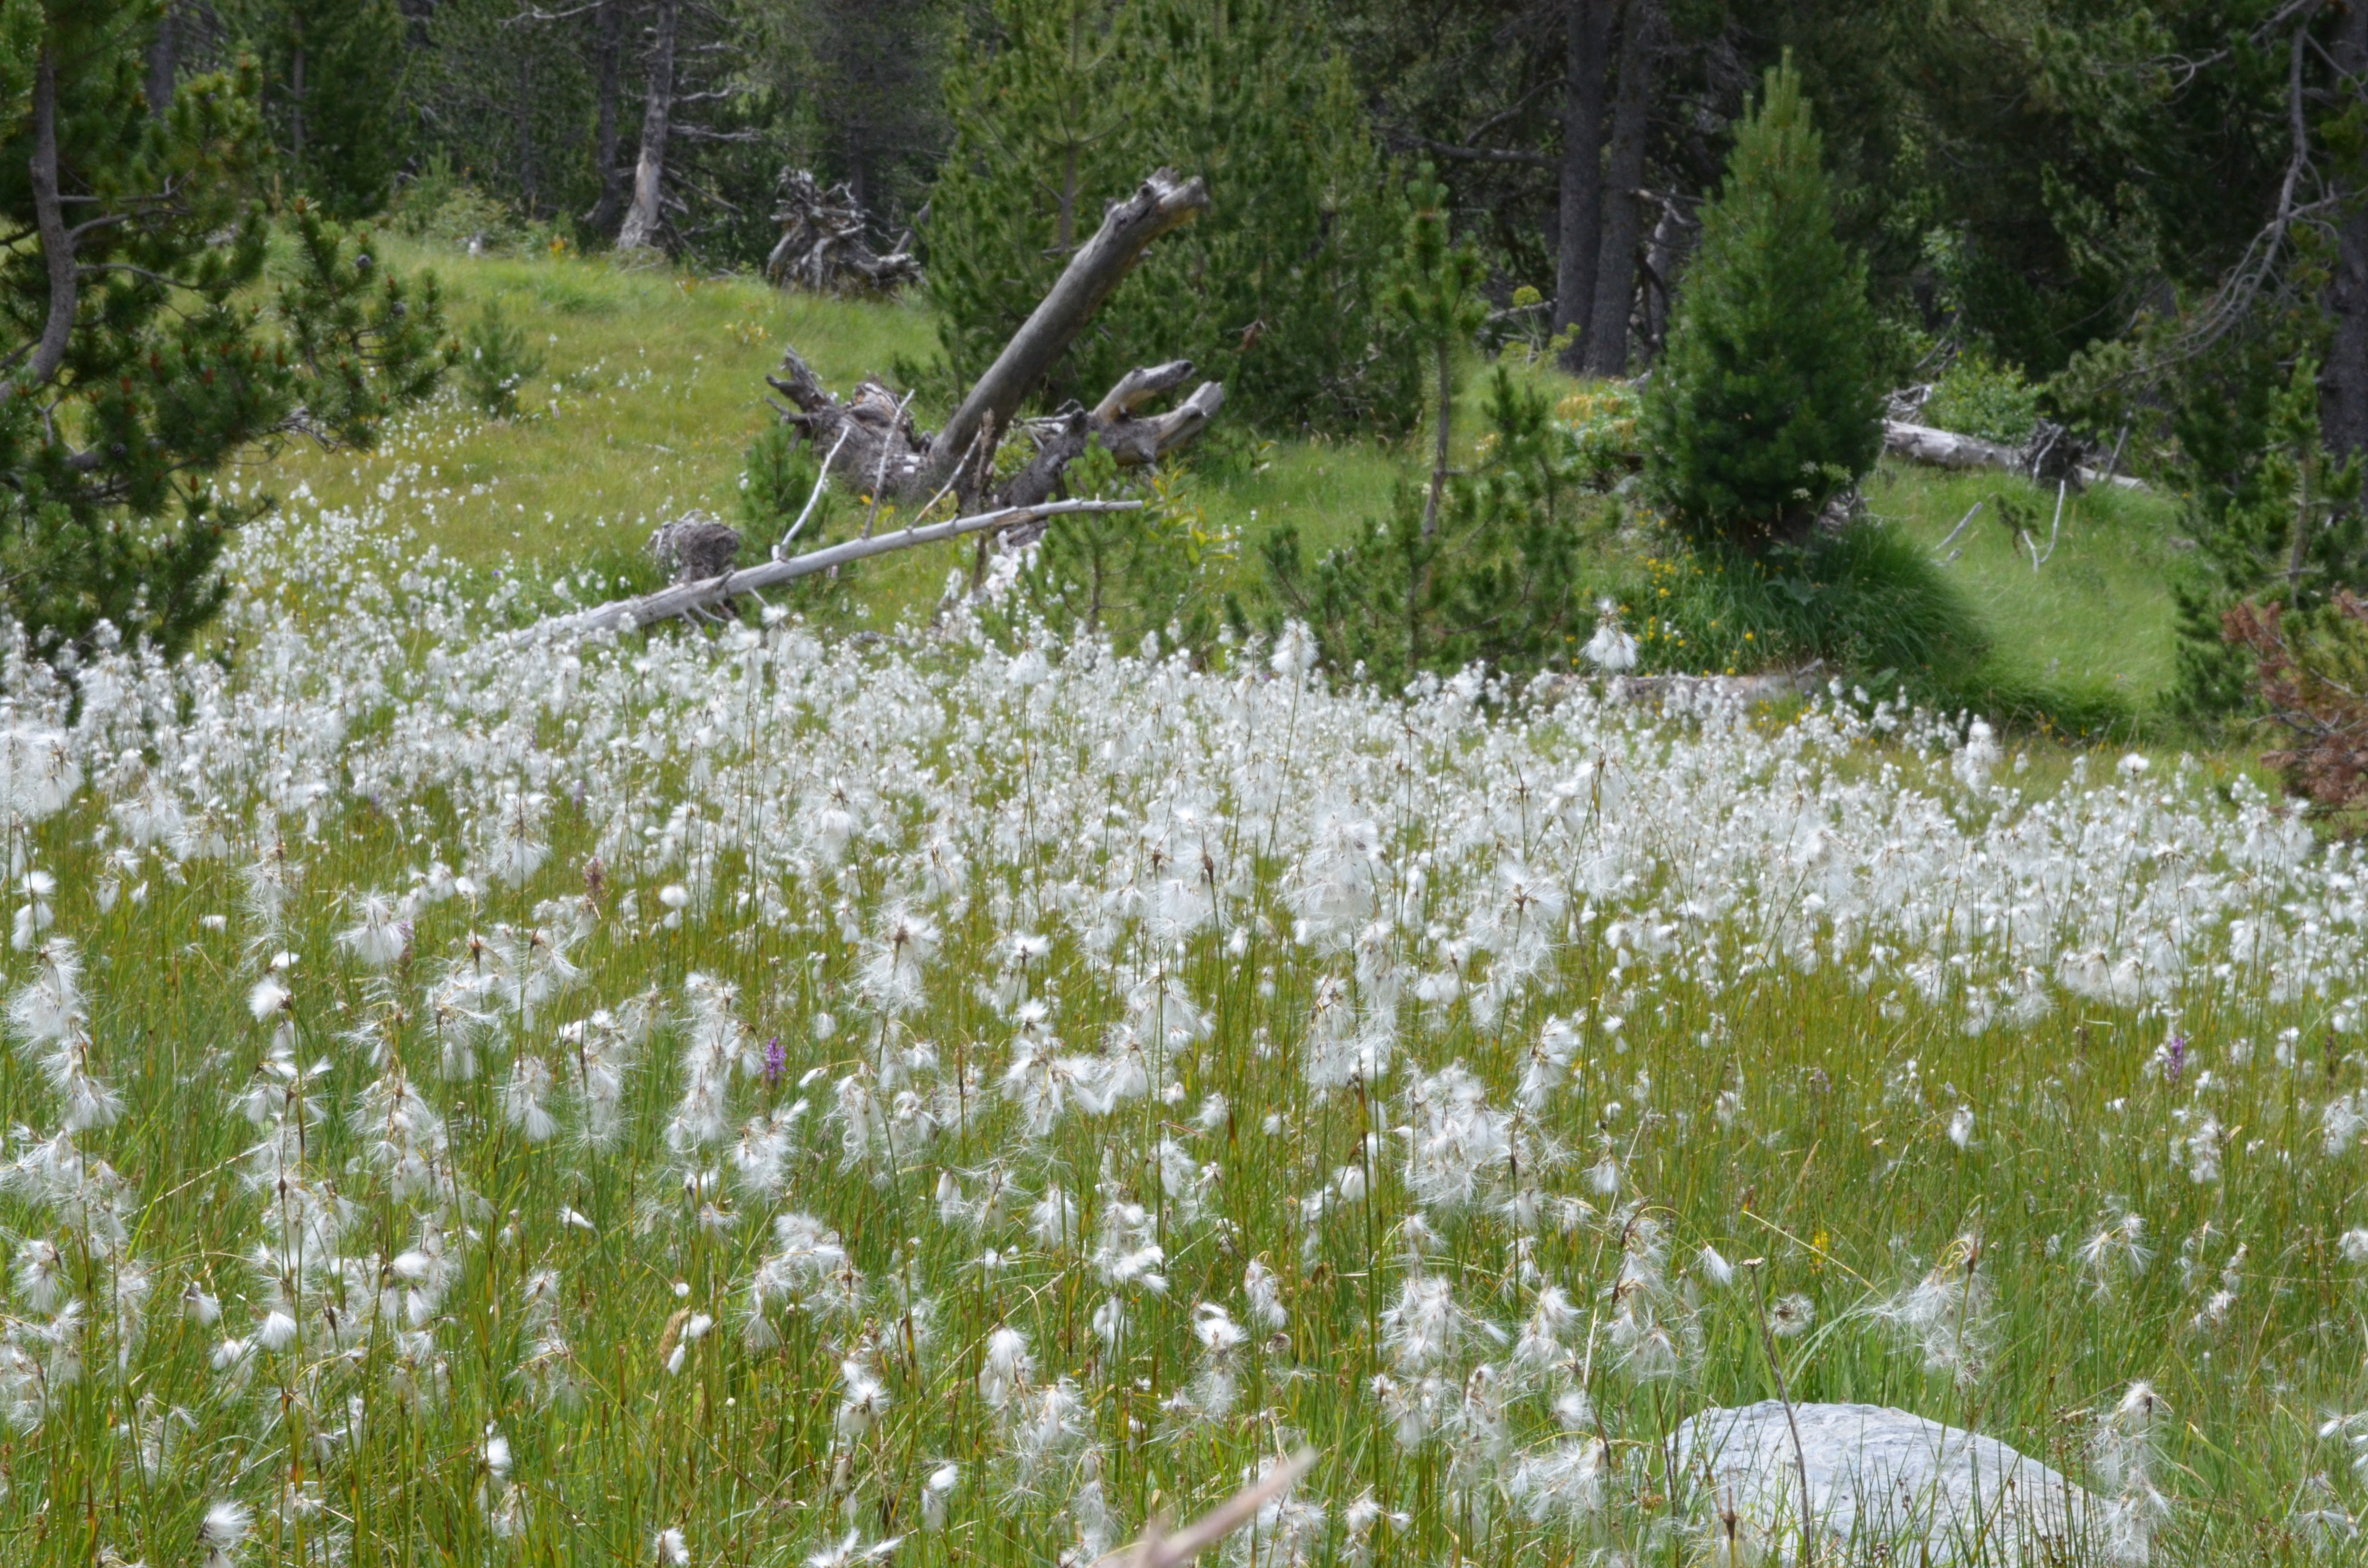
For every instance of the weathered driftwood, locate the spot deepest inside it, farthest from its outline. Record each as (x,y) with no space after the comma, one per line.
(1692,692)
(1136,441)
(824,245)
(881,454)
(1696,691)
(694,599)
(2053,454)
(1160,205)
(1937,447)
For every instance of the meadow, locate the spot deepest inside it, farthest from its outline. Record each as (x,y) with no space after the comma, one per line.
(650,389)
(762,1096)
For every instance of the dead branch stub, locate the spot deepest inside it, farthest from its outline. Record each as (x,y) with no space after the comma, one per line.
(825,246)
(881,454)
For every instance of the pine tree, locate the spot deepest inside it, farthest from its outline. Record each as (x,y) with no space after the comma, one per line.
(1047,110)
(332,94)
(144,351)
(1765,405)
(1485,565)
(1062,105)
(1434,291)
(2275,517)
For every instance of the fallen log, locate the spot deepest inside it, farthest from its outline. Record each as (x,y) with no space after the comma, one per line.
(1700,691)
(694,599)
(1112,423)
(1692,692)
(1936,448)
(902,464)
(2048,458)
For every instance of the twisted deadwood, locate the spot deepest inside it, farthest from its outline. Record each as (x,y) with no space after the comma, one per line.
(880,439)
(695,598)
(825,246)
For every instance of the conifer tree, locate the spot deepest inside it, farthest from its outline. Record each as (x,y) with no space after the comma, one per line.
(1062,105)
(142,349)
(2276,519)
(1484,566)
(1046,111)
(332,95)
(1434,290)
(1765,405)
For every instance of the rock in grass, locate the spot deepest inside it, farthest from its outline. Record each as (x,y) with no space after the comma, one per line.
(694,548)
(1884,1486)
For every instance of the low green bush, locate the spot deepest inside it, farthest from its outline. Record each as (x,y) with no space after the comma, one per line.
(1977,397)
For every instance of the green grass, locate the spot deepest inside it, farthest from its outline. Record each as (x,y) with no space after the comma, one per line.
(653,386)
(1782,952)
(2090,631)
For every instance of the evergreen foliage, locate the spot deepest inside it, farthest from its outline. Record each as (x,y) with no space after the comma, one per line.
(775,484)
(1062,105)
(496,361)
(1133,578)
(1497,580)
(1766,405)
(2275,517)
(332,95)
(176,352)
(1434,289)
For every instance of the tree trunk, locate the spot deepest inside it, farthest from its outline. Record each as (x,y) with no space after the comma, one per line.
(609,210)
(296,100)
(163,65)
(1161,203)
(872,433)
(1579,219)
(1665,257)
(526,132)
(642,220)
(694,599)
(2343,410)
(1445,368)
(1615,273)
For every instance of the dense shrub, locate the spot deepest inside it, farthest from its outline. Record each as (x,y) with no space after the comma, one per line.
(1765,405)
(1976,396)
(1060,107)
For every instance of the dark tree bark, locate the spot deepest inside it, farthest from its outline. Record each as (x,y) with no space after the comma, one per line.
(526,132)
(2343,412)
(163,65)
(1579,219)
(1606,343)
(610,211)
(644,217)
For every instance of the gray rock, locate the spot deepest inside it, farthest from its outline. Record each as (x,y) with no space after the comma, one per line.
(694,548)
(1883,1485)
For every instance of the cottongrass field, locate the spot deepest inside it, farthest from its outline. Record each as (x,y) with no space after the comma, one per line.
(733,1098)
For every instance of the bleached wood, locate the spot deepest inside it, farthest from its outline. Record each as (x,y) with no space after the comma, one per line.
(684,598)
(1161,204)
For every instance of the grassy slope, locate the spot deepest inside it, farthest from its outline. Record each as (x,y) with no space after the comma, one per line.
(654,385)
(2095,620)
